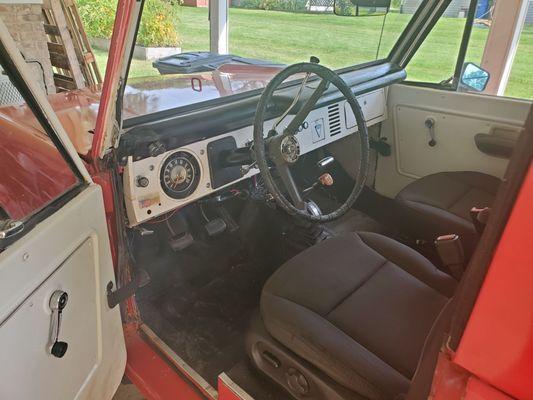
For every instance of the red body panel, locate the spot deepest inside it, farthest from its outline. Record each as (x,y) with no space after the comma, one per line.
(33,171)
(225,392)
(479,390)
(152,375)
(497,345)
(122,27)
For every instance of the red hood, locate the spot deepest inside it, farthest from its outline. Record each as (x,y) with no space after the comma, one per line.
(77,110)
(149,95)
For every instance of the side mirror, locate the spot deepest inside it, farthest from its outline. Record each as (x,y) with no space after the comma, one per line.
(474,77)
(360,8)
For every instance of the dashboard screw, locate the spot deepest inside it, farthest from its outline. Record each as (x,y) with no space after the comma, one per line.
(25,256)
(151,167)
(202,152)
(208,185)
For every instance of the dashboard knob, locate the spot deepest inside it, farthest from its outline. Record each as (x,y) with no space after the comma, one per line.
(142,181)
(156,148)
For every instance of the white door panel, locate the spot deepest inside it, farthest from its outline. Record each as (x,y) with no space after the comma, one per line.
(458,118)
(68,251)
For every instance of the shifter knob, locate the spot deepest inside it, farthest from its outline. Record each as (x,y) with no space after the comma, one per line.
(326,179)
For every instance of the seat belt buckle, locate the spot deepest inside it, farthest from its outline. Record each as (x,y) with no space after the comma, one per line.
(480,217)
(451,253)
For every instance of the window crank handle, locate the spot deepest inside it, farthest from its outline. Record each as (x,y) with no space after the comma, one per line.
(58,302)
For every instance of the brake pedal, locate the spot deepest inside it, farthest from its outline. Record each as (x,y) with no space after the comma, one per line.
(215,227)
(181,242)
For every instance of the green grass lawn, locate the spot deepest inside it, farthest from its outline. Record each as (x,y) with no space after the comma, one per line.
(342,41)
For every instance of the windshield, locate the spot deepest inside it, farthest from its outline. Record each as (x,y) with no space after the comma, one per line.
(173,65)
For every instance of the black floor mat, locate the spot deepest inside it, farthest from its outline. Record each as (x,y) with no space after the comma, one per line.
(200,300)
(205,324)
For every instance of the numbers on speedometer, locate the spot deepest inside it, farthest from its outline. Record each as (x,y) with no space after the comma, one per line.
(180,175)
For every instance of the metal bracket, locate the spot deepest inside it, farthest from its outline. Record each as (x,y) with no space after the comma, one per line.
(10,228)
(117,296)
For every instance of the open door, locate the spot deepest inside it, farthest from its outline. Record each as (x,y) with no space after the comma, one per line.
(58,337)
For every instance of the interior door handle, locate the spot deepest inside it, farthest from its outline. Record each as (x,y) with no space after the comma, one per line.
(430,124)
(58,301)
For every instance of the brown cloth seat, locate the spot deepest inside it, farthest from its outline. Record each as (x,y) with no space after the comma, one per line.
(440,204)
(358,307)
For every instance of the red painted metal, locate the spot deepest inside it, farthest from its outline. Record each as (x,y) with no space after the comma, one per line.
(497,345)
(121,29)
(479,390)
(225,392)
(152,375)
(449,381)
(104,180)
(33,171)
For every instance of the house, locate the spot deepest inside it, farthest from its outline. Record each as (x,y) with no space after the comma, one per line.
(24,20)
(457,8)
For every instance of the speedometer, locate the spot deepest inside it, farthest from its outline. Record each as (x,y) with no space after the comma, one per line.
(180,175)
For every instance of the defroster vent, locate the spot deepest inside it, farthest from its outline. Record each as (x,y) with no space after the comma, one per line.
(334,118)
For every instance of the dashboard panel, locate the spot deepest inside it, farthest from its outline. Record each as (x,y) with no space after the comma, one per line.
(177,177)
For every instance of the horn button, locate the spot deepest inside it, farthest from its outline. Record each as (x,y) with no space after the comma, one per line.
(290,149)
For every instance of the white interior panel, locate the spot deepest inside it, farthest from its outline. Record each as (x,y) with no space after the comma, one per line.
(458,118)
(68,251)
(323,126)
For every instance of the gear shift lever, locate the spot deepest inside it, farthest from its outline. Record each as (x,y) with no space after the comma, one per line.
(325,162)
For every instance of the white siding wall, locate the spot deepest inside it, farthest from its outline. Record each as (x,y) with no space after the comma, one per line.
(410,6)
(453,10)
(529,16)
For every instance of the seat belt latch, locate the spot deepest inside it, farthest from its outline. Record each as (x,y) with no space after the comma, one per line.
(480,217)
(450,250)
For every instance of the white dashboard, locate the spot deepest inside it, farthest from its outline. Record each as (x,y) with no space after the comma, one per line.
(146,181)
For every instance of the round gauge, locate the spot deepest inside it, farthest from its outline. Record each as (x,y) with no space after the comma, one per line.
(180,175)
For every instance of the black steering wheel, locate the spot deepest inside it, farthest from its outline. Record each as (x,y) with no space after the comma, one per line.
(283,150)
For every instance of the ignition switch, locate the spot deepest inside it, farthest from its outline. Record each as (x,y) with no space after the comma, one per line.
(142,181)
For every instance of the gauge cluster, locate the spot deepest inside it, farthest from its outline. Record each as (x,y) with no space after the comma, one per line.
(180,175)
(157,184)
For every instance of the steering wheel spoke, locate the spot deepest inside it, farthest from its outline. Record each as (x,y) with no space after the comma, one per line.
(309,105)
(289,183)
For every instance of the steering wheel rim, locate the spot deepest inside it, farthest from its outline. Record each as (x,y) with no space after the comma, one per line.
(276,145)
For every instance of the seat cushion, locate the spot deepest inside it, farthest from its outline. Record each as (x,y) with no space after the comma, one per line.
(440,204)
(358,307)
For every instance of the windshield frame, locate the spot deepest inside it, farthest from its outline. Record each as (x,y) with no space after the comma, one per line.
(399,56)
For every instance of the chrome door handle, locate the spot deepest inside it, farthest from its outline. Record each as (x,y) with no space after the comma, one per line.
(430,124)
(58,301)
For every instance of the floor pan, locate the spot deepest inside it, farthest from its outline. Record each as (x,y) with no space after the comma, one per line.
(200,301)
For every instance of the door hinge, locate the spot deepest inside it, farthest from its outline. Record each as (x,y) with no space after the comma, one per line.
(117,296)
(9,228)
